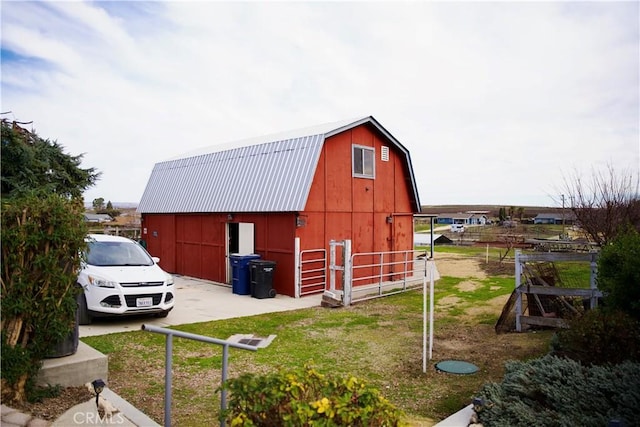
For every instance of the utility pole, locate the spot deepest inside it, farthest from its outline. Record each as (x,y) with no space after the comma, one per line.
(563,235)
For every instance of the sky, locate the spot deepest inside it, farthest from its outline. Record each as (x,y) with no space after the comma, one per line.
(497,102)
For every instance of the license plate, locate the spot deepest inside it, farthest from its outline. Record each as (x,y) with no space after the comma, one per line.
(144,302)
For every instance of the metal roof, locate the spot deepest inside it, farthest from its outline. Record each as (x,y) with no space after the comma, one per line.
(272,173)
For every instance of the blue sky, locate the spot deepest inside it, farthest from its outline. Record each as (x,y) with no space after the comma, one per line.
(498,102)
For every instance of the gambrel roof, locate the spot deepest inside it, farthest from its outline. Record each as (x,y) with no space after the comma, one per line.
(272,173)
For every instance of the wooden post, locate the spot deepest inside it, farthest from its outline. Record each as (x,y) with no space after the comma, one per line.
(518,291)
(592,280)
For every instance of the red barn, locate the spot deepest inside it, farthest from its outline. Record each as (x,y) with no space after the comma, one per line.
(278,195)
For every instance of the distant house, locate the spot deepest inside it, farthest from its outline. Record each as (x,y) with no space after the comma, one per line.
(97,218)
(279,196)
(468,218)
(555,218)
(424,239)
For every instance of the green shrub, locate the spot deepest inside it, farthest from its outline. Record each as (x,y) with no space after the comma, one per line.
(553,391)
(306,398)
(42,238)
(619,273)
(599,337)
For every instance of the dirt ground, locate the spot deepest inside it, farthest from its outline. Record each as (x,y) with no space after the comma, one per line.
(463,339)
(459,266)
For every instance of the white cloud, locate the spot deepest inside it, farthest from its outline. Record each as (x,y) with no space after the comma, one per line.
(496,101)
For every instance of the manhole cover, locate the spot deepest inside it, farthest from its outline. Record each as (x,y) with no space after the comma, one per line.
(456,367)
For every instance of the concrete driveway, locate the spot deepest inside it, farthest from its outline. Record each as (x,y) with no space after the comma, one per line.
(201,301)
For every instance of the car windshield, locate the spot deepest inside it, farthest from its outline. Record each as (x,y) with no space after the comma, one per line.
(117,254)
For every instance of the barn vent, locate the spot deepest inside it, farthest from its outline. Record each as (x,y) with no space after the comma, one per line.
(384,154)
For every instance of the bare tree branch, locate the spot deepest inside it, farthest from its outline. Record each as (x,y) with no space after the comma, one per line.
(606,203)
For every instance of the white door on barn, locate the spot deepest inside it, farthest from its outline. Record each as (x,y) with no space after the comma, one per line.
(245,238)
(240,238)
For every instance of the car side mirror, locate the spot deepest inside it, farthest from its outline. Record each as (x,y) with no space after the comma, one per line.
(155,259)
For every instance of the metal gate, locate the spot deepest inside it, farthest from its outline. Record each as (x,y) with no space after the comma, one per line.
(311,271)
(362,276)
(358,277)
(377,274)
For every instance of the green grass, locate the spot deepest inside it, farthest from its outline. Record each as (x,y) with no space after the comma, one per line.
(574,274)
(420,228)
(379,341)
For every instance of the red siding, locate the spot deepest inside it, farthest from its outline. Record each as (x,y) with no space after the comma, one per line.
(337,174)
(366,203)
(159,233)
(195,244)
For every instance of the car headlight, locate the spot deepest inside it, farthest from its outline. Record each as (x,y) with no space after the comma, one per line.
(101,282)
(169,281)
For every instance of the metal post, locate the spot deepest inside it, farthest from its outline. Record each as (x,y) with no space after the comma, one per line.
(424,320)
(347,273)
(169,357)
(381,273)
(431,314)
(223,392)
(431,232)
(332,265)
(167,379)
(298,267)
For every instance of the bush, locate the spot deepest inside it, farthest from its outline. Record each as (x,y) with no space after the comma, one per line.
(619,273)
(599,337)
(42,238)
(553,391)
(306,398)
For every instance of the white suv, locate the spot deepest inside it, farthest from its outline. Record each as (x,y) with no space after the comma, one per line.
(457,228)
(119,277)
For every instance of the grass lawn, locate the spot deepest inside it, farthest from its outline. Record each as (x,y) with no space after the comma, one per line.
(379,341)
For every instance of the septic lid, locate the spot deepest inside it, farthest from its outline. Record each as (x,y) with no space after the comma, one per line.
(456,367)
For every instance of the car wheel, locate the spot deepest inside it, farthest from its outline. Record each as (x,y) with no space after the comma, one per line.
(84,317)
(163,314)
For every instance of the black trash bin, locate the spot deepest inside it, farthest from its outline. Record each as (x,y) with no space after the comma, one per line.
(262,278)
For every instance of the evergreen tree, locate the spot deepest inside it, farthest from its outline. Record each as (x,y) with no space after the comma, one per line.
(42,236)
(31,164)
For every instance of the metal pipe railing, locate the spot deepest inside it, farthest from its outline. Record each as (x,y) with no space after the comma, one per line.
(170,333)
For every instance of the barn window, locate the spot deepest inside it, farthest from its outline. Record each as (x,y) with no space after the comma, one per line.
(363,162)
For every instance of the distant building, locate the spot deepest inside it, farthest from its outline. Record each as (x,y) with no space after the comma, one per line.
(97,218)
(467,218)
(555,218)
(424,239)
